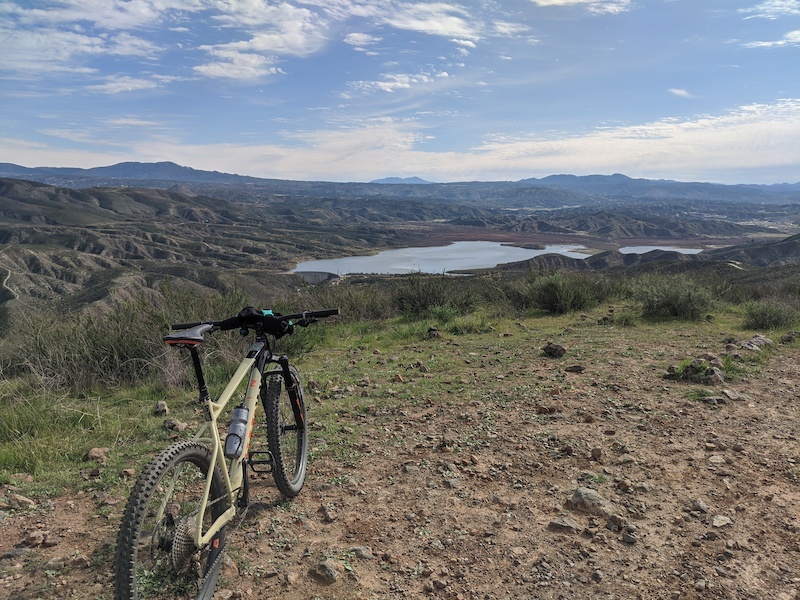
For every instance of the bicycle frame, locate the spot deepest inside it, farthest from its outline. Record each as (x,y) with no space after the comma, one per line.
(253,364)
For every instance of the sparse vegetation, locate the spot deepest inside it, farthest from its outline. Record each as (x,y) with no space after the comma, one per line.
(672,297)
(768,315)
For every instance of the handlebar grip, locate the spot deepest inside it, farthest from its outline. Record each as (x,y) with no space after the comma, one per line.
(325,312)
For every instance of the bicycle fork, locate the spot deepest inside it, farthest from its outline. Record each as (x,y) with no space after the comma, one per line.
(292,391)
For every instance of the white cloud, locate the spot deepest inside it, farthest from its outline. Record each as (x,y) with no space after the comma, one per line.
(117,85)
(509,29)
(233,64)
(595,6)
(737,147)
(434,18)
(105,14)
(773,9)
(361,39)
(393,82)
(681,93)
(790,39)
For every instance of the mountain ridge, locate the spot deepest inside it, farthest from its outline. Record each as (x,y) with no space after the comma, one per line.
(575,190)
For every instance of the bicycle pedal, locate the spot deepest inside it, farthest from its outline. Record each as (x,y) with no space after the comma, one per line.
(253,461)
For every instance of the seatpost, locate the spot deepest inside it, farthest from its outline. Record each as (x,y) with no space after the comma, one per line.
(198,372)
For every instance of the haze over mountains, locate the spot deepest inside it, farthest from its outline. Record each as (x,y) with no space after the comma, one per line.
(576,190)
(76,236)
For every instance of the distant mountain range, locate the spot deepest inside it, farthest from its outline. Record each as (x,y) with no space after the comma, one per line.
(554,191)
(396,180)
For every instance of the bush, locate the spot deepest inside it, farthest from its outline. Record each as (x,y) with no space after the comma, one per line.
(672,296)
(769,314)
(416,295)
(117,346)
(561,294)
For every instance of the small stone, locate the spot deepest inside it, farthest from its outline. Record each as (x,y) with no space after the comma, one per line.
(54,564)
(629,538)
(364,552)
(80,562)
(589,501)
(328,571)
(174,425)
(329,514)
(721,521)
(52,540)
(597,576)
(563,525)
(597,453)
(554,350)
(700,506)
(700,585)
(33,538)
(292,579)
(20,502)
(99,455)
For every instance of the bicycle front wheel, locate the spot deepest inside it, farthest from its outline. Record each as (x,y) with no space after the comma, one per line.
(287,431)
(156,554)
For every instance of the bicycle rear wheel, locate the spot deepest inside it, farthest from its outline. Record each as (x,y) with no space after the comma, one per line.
(287,434)
(156,555)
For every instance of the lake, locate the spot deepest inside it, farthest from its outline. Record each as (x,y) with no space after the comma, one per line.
(643,249)
(453,257)
(434,259)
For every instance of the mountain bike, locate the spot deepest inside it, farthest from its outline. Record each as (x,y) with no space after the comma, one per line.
(172,536)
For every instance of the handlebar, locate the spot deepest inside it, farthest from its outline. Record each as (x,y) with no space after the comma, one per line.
(273,323)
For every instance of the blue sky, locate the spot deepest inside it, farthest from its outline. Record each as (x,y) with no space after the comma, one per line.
(354,90)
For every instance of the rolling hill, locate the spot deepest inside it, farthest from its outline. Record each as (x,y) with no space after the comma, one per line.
(76,246)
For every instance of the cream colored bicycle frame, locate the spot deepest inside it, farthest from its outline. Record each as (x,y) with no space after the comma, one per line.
(232,470)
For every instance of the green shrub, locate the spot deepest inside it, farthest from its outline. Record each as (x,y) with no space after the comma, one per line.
(672,296)
(561,294)
(417,294)
(769,314)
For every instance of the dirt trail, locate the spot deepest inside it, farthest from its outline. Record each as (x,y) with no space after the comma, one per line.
(467,494)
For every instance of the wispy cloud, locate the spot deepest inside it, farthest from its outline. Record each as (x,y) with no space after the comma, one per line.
(773,9)
(434,18)
(361,39)
(595,6)
(393,82)
(230,63)
(722,147)
(117,85)
(50,50)
(681,93)
(790,39)
(106,14)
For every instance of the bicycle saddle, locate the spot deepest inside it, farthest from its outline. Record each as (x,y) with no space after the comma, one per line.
(188,337)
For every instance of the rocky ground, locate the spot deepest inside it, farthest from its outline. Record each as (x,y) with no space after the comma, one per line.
(479,467)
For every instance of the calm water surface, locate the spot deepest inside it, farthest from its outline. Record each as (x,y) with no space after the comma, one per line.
(435,259)
(453,257)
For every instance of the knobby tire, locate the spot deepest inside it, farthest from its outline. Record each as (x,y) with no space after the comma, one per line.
(145,565)
(287,436)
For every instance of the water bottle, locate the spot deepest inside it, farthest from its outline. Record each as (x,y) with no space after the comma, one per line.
(234,443)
